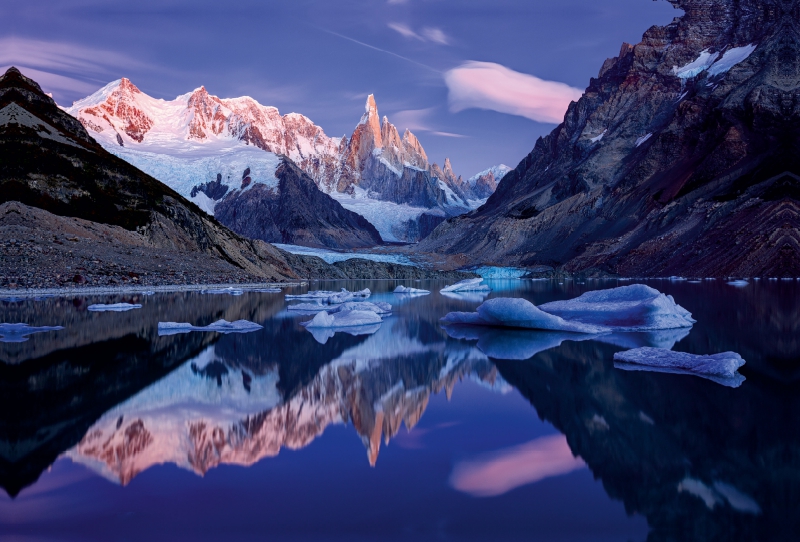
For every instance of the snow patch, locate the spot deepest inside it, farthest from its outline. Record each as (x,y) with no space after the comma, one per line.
(643,139)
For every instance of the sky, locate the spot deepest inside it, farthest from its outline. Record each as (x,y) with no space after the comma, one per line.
(477,81)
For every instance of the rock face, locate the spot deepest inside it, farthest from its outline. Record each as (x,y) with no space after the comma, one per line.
(210,149)
(232,151)
(680,158)
(53,169)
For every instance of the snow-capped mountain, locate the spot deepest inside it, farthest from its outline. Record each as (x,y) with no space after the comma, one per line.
(229,157)
(211,149)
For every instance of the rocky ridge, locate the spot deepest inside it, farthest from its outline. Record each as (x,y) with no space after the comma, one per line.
(679,159)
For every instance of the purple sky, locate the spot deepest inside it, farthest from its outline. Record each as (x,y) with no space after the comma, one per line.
(430,63)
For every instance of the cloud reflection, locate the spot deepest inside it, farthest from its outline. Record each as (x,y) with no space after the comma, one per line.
(499,472)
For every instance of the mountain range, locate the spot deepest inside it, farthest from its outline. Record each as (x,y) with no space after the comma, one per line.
(680,159)
(231,157)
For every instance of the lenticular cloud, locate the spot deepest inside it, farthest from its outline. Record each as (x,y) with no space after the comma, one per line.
(486,85)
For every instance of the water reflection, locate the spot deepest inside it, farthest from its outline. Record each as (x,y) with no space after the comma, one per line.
(698,460)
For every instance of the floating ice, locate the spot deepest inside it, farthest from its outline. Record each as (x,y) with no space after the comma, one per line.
(627,308)
(115,307)
(405,290)
(219,291)
(18,333)
(378,307)
(471,297)
(351,318)
(468,285)
(739,283)
(516,313)
(332,298)
(266,290)
(220,326)
(721,368)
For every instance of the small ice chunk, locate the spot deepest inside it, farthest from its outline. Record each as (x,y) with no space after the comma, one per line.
(343,319)
(266,290)
(739,283)
(405,290)
(724,365)
(627,308)
(18,333)
(219,291)
(377,307)
(468,285)
(114,307)
(332,298)
(516,313)
(220,326)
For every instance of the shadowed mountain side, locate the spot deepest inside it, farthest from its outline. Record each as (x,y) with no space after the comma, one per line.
(680,158)
(50,163)
(296,212)
(700,461)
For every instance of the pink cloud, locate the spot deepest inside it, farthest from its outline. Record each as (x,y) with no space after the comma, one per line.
(485,85)
(500,472)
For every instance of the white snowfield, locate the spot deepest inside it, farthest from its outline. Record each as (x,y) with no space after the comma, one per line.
(467,285)
(114,307)
(220,326)
(628,308)
(348,318)
(410,291)
(380,308)
(18,333)
(332,298)
(517,313)
(723,368)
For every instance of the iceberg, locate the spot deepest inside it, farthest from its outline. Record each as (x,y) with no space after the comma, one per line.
(468,285)
(378,307)
(219,291)
(115,307)
(517,313)
(332,298)
(627,308)
(349,318)
(722,368)
(220,326)
(18,333)
(411,291)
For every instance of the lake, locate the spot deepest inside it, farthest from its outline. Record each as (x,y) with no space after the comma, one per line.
(110,431)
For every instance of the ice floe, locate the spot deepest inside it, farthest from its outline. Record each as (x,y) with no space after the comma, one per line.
(331,256)
(722,368)
(517,313)
(471,297)
(114,307)
(627,308)
(378,307)
(739,283)
(265,290)
(18,333)
(413,291)
(468,285)
(220,291)
(332,298)
(348,318)
(220,326)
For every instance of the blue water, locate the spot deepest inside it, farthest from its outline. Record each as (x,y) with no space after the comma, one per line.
(110,432)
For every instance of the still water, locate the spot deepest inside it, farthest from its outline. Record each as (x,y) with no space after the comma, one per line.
(109,431)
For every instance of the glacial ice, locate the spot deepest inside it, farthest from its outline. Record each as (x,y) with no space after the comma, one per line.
(493,272)
(265,290)
(412,291)
(628,308)
(378,307)
(470,297)
(332,298)
(114,307)
(219,291)
(220,326)
(350,318)
(722,368)
(517,313)
(18,333)
(331,256)
(467,285)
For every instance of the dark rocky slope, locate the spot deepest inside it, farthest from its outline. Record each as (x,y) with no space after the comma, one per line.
(661,170)
(296,213)
(50,165)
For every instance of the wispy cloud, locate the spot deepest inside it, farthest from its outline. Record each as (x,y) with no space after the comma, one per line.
(417,120)
(367,45)
(486,85)
(427,34)
(500,472)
